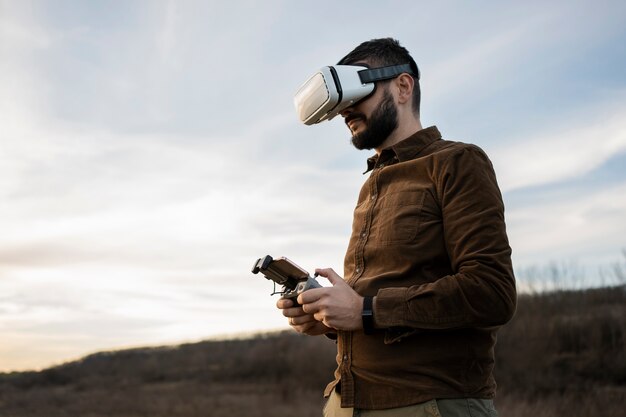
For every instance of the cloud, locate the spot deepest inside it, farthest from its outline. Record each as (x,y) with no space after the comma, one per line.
(567,227)
(590,139)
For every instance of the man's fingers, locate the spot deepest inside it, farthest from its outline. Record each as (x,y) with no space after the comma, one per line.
(283,303)
(311,296)
(310,307)
(294,312)
(330,274)
(300,320)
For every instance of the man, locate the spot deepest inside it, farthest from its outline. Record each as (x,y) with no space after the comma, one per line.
(427,274)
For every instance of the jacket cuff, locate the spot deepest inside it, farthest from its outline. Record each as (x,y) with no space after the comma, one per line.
(391,307)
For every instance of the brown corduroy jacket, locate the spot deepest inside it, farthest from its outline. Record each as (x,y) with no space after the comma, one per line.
(429,243)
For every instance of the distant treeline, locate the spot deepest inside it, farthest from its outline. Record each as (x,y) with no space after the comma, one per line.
(563,354)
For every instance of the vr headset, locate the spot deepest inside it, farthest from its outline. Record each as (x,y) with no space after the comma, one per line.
(332,89)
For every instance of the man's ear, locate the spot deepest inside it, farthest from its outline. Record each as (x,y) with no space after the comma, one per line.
(404,84)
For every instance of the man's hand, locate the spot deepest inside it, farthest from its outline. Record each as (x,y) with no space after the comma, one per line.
(300,321)
(338,307)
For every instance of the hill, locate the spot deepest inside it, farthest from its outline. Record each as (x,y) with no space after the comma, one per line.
(563,354)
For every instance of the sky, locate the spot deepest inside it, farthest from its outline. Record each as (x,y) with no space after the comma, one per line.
(150,153)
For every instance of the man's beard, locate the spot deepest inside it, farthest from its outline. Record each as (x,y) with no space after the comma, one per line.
(378,126)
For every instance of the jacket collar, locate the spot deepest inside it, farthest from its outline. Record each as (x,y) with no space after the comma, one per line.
(406,149)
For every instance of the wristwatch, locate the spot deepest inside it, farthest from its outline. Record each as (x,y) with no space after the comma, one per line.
(368,315)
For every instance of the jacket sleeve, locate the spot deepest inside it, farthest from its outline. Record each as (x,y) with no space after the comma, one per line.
(481,291)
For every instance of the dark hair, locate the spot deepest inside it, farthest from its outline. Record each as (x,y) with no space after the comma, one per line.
(384,52)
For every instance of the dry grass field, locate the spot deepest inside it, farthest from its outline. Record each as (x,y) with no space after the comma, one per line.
(563,354)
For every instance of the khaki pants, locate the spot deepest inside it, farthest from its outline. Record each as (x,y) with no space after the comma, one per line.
(461,407)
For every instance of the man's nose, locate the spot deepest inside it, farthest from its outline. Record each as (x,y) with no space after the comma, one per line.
(345,112)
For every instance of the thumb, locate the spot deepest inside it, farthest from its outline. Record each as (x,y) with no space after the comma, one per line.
(331,275)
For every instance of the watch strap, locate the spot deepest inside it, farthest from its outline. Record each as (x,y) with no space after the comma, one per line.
(368,315)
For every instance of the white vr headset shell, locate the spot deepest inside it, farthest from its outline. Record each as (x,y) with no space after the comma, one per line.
(334,88)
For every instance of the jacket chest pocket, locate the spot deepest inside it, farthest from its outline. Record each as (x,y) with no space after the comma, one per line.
(397,216)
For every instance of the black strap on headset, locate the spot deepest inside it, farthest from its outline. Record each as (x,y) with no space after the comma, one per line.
(371,75)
